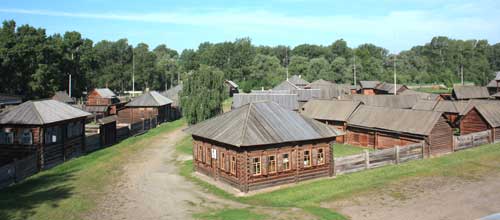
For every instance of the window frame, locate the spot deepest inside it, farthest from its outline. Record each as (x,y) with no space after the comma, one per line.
(309,164)
(21,137)
(320,156)
(288,162)
(222,162)
(232,165)
(256,165)
(271,163)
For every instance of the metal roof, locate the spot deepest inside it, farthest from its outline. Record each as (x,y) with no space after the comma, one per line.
(490,112)
(287,101)
(368,84)
(396,120)
(149,99)
(62,96)
(390,101)
(333,110)
(297,80)
(470,92)
(261,123)
(41,112)
(105,93)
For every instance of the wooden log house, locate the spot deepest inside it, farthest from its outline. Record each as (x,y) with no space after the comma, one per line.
(331,112)
(52,130)
(482,117)
(262,144)
(102,102)
(149,105)
(380,128)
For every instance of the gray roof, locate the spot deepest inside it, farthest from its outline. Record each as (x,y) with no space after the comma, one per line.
(285,85)
(422,95)
(490,112)
(396,120)
(390,101)
(368,84)
(468,105)
(6,99)
(330,90)
(428,105)
(333,110)
(470,92)
(105,93)
(173,94)
(297,80)
(449,106)
(492,84)
(41,112)
(272,91)
(233,84)
(149,99)
(389,87)
(261,123)
(62,96)
(307,94)
(287,101)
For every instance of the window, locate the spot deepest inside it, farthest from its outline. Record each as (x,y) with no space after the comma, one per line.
(321,156)
(74,129)
(256,166)
(307,158)
(233,165)
(26,137)
(271,164)
(222,161)
(286,162)
(6,137)
(208,154)
(52,135)
(200,153)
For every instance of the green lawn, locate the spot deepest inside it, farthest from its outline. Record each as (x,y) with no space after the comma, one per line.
(226,214)
(70,189)
(341,150)
(468,164)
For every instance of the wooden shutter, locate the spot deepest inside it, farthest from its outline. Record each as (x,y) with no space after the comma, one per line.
(314,157)
(263,165)
(279,162)
(226,161)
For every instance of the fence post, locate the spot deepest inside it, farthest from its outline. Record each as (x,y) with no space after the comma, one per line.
(472,141)
(367,159)
(397,154)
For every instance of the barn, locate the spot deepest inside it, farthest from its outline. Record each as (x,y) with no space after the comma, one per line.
(482,117)
(262,144)
(102,102)
(149,105)
(52,130)
(331,112)
(470,92)
(379,128)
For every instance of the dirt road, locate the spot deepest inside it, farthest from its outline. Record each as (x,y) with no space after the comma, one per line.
(152,188)
(432,198)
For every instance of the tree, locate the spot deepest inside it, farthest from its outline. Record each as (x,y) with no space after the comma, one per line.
(202,94)
(298,65)
(319,68)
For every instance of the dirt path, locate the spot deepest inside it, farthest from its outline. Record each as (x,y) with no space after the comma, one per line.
(431,198)
(152,188)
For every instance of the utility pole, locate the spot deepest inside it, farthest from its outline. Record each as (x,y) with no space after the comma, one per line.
(286,62)
(462,73)
(133,73)
(354,70)
(69,83)
(395,79)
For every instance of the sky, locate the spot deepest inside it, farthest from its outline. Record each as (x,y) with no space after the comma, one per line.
(183,24)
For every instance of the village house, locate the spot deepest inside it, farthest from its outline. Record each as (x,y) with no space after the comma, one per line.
(494,85)
(146,106)
(331,112)
(102,102)
(262,144)
(62,96)
(52,130)
(379,128)
(469,92)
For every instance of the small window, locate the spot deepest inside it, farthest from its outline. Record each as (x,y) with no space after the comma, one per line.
(321,156)
(222,160)
(256,166)
(52,135)
(286,162)
(26,137)
(271,164)
(233,165)
(6,137)
(307,158)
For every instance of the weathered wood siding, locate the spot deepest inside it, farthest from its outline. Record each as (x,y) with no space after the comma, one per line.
(93,98)
(360,137)
(441,138)
(132,115)
(368,91)
(472,122)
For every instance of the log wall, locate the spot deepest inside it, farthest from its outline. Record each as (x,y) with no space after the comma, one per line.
(472,122)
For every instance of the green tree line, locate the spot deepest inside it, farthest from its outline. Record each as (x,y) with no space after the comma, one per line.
(34,64)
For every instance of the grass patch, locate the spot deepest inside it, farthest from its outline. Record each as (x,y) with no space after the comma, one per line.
(185,146)
(240,214)
(435,91)
(226,105)
(324,213)
(72,188)
(341,150)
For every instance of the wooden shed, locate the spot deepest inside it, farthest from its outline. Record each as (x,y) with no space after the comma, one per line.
(262,144)
(103,102)
(469,92)
(149,105)
(52,130)
(331,112)
(482,117)
(379,128)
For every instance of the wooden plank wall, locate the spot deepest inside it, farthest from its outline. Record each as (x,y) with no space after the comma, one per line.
(441,138)
(471,140)
(472,122)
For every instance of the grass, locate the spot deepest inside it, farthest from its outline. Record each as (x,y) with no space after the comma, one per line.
(467,164)
(71,189)
(240,214)
(185,146)
(226,105)
(341,150)
(436,91)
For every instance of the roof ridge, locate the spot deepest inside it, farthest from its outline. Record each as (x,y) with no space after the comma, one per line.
(154,97)
(244,130)
(37,113)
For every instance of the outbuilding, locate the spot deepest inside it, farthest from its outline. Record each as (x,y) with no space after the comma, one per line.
(469,92)
(379,128)
(147,106)
(52,130)
(482,117)
(368,87)
(103,102)
(262,144)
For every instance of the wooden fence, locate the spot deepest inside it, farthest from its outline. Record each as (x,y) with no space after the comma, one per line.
(471,140)
(18,170)
(369,160)
(92,142)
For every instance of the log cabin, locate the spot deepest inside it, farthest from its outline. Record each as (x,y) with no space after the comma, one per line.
(149,105)
(482,117)
(103,102)
(380,128)
(331,112)
(262,144)
(52,130)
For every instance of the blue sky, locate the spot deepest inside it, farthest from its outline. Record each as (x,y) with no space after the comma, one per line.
(395,25)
